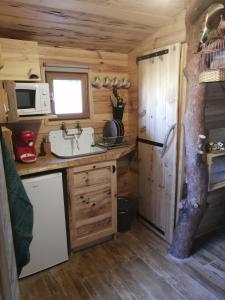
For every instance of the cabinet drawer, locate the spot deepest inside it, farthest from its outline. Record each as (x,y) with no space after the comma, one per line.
(93,205)
(92,177)
(93,227)
(91,209)
(92,194)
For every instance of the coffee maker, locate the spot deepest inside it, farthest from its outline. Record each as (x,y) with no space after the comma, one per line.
(25,150)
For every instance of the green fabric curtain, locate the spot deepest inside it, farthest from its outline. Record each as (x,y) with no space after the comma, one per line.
(21,210)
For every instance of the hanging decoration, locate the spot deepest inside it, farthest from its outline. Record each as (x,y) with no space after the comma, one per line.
(212,62)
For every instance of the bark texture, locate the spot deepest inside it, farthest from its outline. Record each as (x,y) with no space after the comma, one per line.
(197,171)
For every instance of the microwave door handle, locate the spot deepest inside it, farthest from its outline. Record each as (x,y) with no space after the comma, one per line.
(52,96)
(38,104)
(52,102)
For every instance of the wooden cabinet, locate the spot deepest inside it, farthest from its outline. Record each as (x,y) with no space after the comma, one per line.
(8,105)
(19,60)
(93,202)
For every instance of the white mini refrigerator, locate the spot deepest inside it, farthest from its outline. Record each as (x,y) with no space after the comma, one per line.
(49,244)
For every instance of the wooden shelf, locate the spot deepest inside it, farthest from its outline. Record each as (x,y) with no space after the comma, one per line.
(216,168)
(50,163)
(32,118)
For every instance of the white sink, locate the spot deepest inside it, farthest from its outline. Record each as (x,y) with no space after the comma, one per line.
(72,144)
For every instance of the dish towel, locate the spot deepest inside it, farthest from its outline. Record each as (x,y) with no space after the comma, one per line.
(21,210)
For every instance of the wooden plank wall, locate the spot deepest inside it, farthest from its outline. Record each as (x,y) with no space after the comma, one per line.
(101,64)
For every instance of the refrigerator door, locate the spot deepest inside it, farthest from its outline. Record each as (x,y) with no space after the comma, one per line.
(49,244)
(158,94)
(157,137)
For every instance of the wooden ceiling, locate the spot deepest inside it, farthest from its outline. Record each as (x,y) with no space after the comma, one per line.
(110,25)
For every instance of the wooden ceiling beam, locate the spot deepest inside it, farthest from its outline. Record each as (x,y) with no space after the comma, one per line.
(167,8)
(31,17)
(27,12)
(70,30)
(111,25)
(109,11)
(51,39)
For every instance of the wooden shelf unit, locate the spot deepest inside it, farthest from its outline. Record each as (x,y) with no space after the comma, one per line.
(216,167)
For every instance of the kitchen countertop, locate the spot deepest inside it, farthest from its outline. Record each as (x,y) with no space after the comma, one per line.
(51,162)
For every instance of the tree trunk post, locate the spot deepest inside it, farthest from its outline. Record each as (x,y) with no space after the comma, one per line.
(194,205)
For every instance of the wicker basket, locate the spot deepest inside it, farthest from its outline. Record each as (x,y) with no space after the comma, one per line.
(212,75)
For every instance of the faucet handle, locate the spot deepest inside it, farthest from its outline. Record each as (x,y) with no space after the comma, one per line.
(78,127)
(63,126)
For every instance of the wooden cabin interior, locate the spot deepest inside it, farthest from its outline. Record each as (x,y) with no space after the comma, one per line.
(112,161)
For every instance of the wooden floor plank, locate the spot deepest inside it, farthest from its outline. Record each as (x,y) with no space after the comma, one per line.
(171,272)
(133,284)
(149,280)
(133,267)
(205,278)
(117,283)
(217,267)
(102,289)
(205,257)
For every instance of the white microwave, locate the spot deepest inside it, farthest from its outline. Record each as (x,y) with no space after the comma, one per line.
(32,98)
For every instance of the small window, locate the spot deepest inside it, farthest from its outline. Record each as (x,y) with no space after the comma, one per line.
(69,92)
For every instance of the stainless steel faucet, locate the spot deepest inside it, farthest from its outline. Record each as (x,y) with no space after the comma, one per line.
(66,130)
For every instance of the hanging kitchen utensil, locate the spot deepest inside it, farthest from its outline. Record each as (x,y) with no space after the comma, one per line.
(113,100)
(107,83)
(97,83)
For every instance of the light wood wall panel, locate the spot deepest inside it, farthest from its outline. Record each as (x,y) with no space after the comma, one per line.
(101,64)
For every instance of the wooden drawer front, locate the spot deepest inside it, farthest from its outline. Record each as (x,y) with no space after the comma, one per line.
(91,194)
(92,177)
(93,227)
(89,204)
(92,209)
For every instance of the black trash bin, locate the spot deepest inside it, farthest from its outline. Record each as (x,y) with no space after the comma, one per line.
(125,213)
